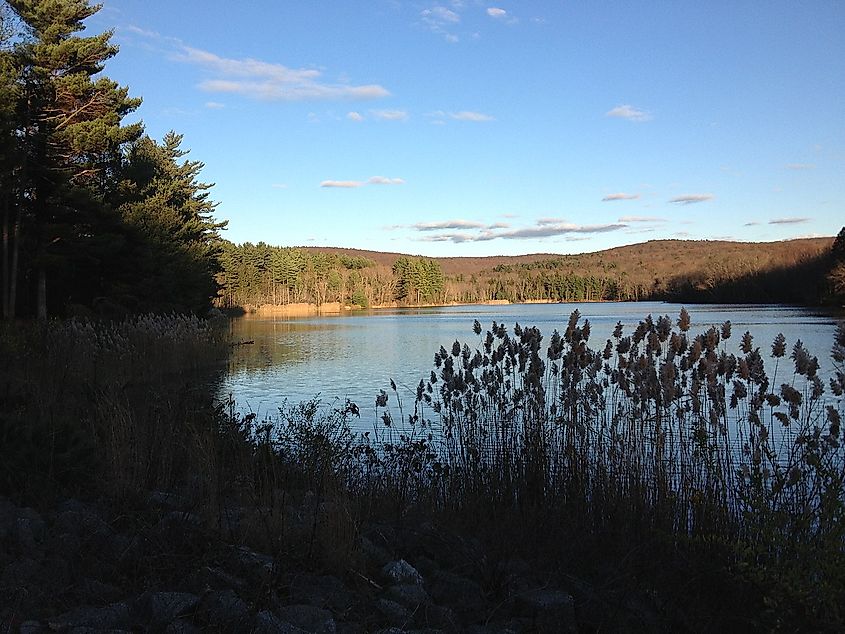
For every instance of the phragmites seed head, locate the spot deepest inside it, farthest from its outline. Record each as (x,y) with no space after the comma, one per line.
(801,358)
(726,329)
(476,327)
(779,346)
(684,320)
(747,344)
(617,331)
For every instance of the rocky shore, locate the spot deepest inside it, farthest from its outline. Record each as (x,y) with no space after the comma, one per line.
(83,567)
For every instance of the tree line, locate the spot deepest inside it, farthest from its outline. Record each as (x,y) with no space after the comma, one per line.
(95,215)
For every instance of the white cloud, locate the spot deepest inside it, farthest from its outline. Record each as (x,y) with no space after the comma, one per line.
(788,221)
(214,105)
(342,184)
(438,19)
(390,115)
(468,115)
(383,180)
(641,219)
(629,112)
(373,180)
(620,196)
(270,81)
(496,12)
(689,199)
(544,228)
(354,116)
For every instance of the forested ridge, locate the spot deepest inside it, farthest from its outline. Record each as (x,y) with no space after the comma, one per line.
(97,217)
(803,271)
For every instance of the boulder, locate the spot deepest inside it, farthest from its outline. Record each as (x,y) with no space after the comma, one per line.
(401,572)
(309,618)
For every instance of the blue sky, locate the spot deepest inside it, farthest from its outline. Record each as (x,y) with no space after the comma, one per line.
(485,128)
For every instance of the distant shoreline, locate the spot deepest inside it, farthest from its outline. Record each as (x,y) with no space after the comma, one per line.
(303,309)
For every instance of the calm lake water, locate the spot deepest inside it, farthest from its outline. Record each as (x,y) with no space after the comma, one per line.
(354,355)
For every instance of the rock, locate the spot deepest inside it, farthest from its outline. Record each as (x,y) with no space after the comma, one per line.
(552,610)
(30,529)
(22,573)
(375,555)
(166,500)
(182,626)
(253,566)
(408,594)
(309,618)
(463,594)
(157,609)
(401,572)
(31,627)
(111,617)
(225,610)
(437,616)
(268,623)
(323,591)
(394,613)
(83,523)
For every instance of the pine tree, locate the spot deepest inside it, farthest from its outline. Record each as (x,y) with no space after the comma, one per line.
(68,128)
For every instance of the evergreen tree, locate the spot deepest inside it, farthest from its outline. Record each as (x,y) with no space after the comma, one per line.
(174,242)
(69,136)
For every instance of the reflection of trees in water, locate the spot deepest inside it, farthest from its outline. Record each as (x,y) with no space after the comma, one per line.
(277,343)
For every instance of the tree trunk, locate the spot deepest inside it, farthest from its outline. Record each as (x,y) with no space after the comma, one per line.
(42,294)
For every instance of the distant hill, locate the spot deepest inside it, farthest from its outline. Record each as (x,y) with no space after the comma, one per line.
(793,272)
(663,259)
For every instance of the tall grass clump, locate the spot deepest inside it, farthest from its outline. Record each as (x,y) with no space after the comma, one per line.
(123,404)
(661,432)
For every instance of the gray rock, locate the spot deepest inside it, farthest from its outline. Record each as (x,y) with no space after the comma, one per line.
(182,626)
(111,617)
(157,609)
(30,529)
(553,610)
(463,594)
(22,573)
(31,627)
(254,566)
(324,591)
(393,612)
(309,618)
(408,594)
(84,524)
(268,623)
(375,555)
(224,609)
(401,572)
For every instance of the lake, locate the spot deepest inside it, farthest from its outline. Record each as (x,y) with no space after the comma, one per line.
(356,354)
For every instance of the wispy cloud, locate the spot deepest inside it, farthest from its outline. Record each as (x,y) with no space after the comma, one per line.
(269,81)
(214,105)
(501,15)
(753,223)
(354,116)
(462,115)
(620,196)
(342,184)
(384,180)
(544,228)
(439,20)
(468,115)
(390,115)
(800,166)
(449,224)
(690,199)
(788,221)
(373,180)
(641,219)
(629,112)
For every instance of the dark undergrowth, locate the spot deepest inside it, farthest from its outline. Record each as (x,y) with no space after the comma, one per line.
(660,467)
